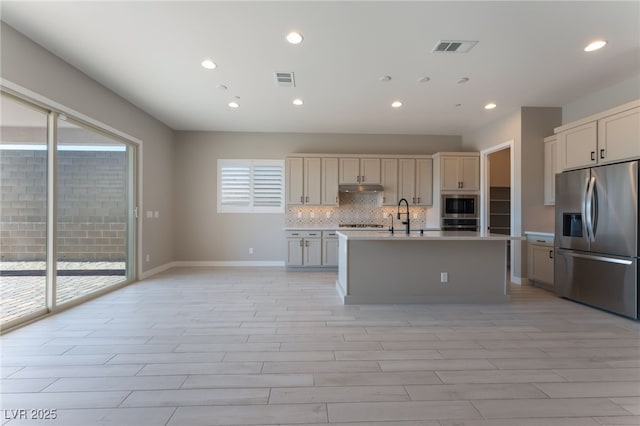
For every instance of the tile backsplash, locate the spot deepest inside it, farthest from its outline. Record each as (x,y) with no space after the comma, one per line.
(364,208)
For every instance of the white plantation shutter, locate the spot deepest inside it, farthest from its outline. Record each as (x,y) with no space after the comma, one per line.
(246,186)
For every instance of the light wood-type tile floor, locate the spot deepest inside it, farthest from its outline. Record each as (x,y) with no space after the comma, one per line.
(254,346)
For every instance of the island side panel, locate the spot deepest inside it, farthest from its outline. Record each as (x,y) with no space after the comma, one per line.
(343,267)
(409,271)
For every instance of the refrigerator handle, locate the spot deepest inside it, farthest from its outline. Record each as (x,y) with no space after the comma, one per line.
(584,210)
(589,209)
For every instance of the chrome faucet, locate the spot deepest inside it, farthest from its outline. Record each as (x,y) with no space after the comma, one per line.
(391,228)
(405,213)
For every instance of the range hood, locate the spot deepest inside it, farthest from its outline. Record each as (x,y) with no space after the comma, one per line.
(365,187)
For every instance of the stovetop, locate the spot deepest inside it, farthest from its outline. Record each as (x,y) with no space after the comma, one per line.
(360,225)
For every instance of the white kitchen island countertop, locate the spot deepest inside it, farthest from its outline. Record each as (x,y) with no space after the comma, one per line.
(400,235)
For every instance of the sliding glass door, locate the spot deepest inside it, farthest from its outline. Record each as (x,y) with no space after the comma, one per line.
(92,205)
(67,218)
(23,210)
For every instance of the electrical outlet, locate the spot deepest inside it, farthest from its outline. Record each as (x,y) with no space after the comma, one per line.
(156,214)
(312,215)
(299,215)
(328,215)
(250,250)
(415,215)
(444,277)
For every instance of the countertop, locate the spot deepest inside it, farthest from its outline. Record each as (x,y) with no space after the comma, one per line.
(540,234)
(428,235)
(338,228)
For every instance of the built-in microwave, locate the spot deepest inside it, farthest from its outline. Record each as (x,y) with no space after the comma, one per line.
(459,205)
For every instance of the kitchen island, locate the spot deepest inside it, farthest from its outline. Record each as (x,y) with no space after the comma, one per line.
(377,267)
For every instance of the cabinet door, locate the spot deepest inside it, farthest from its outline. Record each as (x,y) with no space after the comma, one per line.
(312,181)
(470,173)
(407,179)
(541,263)
(370,170)
(312,252)
(294,251)
(295,180)
(424,181)
(449,173)
(550,171)
(330,252)
(349,170)
(579,145)
(619,136)
(389,179)
(330,181)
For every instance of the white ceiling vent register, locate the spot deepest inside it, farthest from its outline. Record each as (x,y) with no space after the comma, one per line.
(285,79)
(454,46)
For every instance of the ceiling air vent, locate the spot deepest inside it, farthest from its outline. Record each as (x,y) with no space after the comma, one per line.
(454,46)
(285,79)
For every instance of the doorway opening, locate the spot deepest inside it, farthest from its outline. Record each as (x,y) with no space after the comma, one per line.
(497,194)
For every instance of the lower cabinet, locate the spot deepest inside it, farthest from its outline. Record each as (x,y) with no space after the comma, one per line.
(312,248)
(541,254)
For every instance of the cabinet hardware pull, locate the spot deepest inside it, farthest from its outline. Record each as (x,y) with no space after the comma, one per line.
(550,254)
(306,199)
(540,241)
(301,242)
(336,199)
(413,200)
(302,199)
(418,200)
(602,154)
(295,233)
(358,178)
(362,178)
(306,243)
(593,156)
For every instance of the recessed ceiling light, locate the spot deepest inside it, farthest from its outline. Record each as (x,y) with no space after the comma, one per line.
(424,79)
(294,37)
(208,64)
(385,78)
(298,102)
(490,105)
(462,80)
(233,104)
(396,104)
(221,87)
(595,45)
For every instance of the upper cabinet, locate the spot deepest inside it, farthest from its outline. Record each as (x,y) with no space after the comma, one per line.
(550,170)
(359,170)
(579,145)
(619,136)
(329,181)
(304,180)
(460,171)
(415,180)
(389,180)
(608,137)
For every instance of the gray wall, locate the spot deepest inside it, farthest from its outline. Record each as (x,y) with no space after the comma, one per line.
(203,235)
(527,128)
(28,65)
(593,103)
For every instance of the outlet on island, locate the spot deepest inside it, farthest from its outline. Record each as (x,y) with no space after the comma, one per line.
(444,277)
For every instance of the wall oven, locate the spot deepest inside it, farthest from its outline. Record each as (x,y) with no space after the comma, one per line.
(459,212)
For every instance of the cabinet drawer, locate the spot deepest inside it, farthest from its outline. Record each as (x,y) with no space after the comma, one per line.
(331,235)
(303,234)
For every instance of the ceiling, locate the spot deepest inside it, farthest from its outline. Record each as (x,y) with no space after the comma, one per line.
(528,54)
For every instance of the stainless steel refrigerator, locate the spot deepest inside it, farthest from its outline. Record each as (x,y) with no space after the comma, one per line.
(596,238)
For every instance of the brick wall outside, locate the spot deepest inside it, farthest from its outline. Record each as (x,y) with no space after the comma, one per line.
(91,205)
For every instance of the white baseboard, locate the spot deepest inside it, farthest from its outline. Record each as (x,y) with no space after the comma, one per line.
(229,263)
(516,280)
(158,269)
(211,264)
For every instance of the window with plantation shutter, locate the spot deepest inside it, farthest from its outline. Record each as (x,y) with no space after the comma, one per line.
(250,186)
